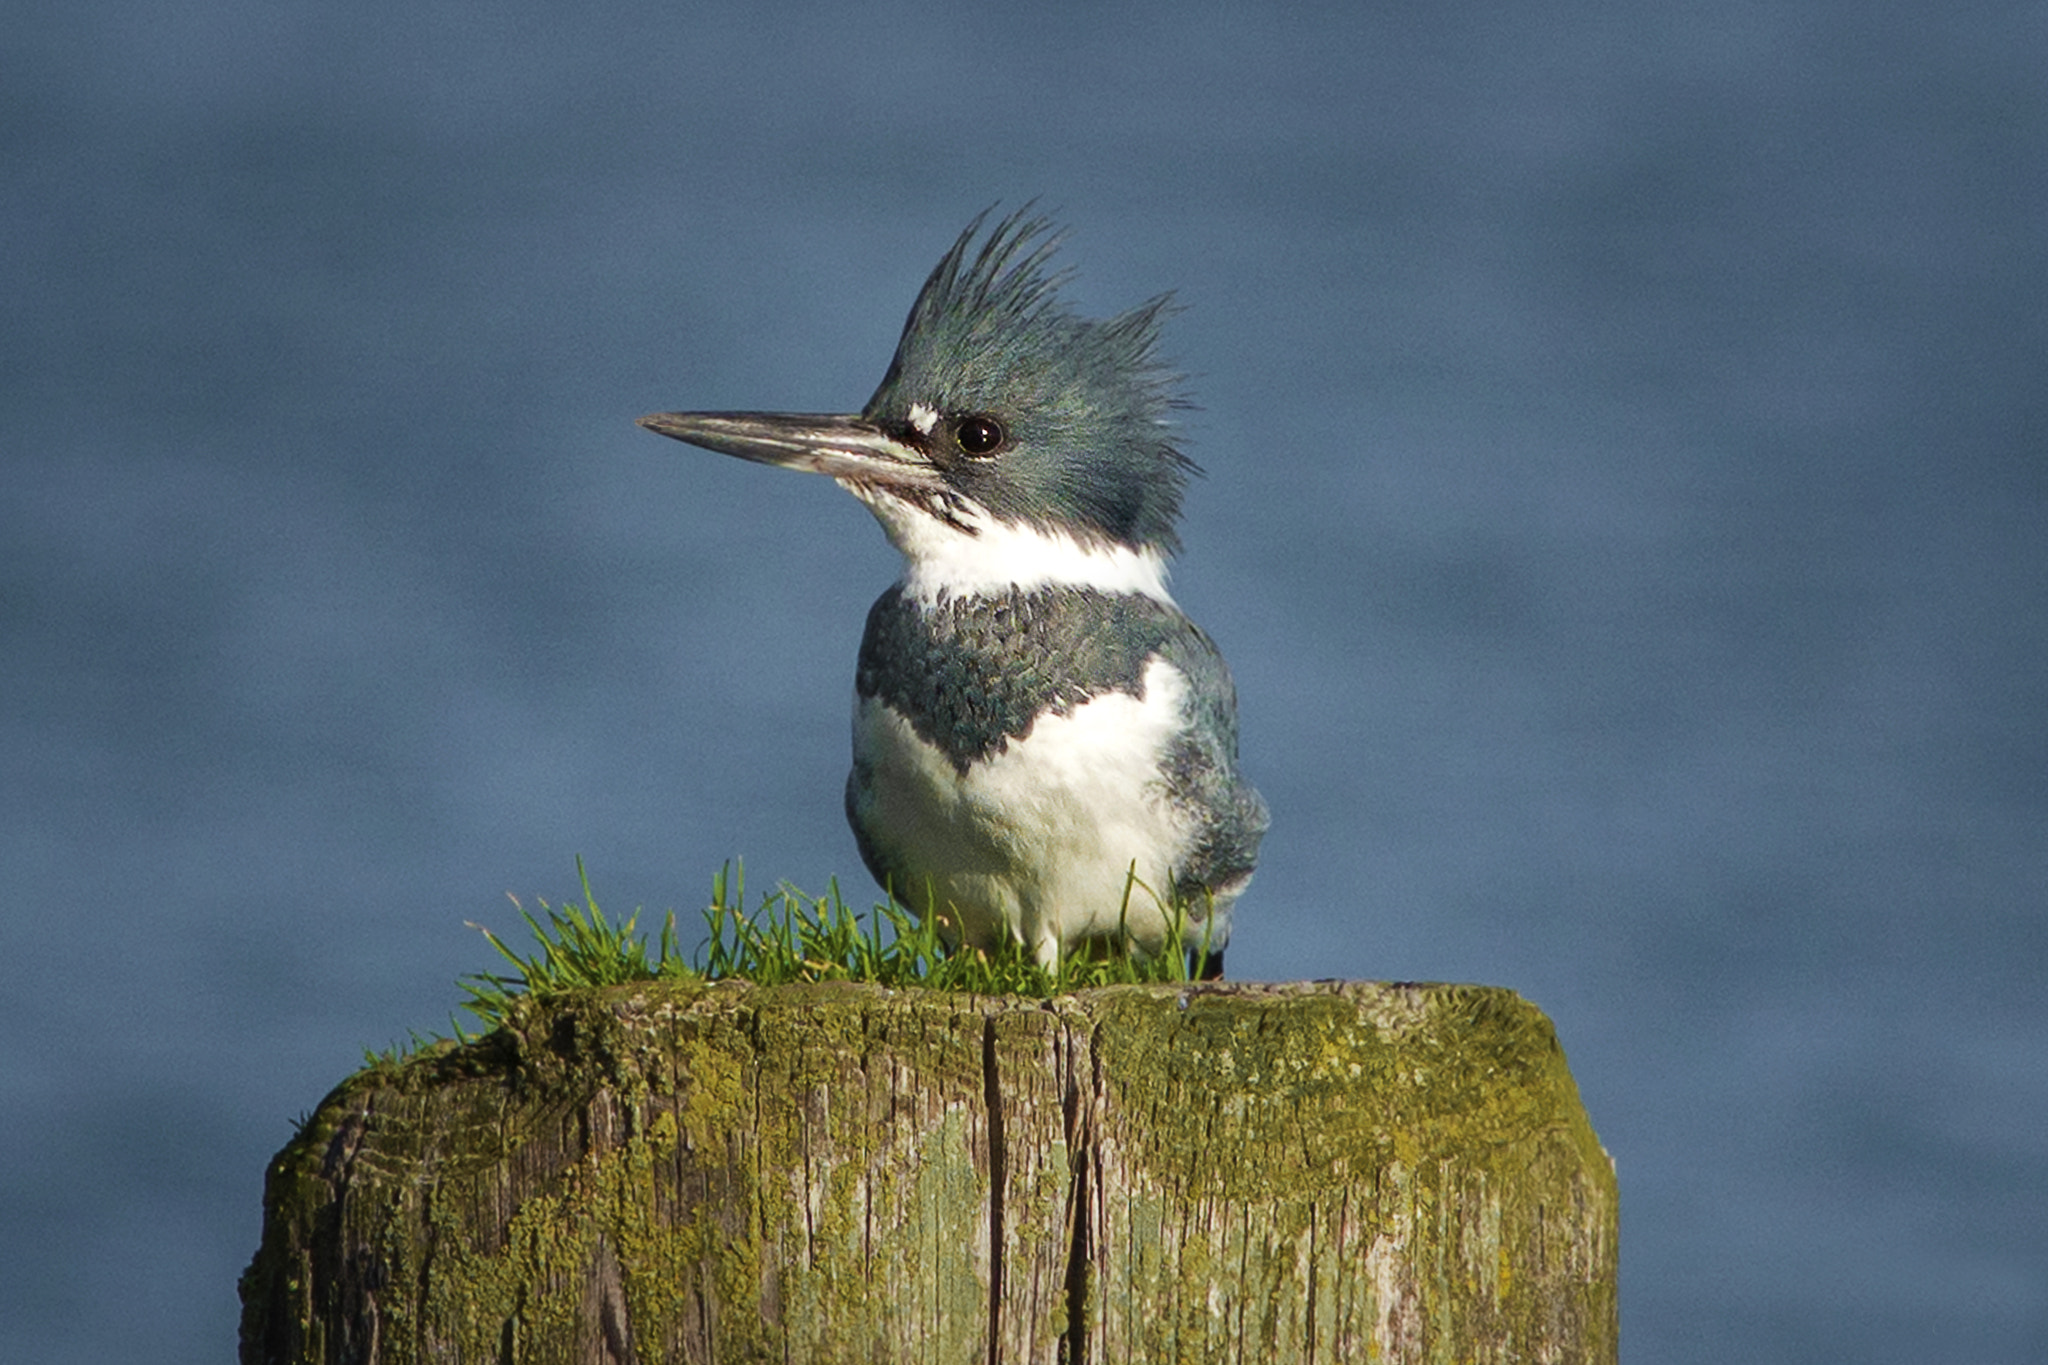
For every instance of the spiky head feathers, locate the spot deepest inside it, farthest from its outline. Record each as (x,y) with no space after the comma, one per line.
(1034,414)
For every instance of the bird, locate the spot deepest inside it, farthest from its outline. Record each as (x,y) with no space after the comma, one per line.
(1045,747)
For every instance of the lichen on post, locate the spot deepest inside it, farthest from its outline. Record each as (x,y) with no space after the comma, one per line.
(726,1172)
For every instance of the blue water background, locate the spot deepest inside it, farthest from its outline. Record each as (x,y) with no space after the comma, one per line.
(1626,514)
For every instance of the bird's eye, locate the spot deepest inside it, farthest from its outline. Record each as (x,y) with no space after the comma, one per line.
(979,435)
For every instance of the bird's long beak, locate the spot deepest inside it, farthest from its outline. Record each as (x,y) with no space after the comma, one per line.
(851,449)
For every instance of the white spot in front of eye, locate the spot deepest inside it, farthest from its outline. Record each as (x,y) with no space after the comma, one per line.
(923,418)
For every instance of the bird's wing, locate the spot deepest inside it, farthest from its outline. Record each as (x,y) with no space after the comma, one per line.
(1229,815)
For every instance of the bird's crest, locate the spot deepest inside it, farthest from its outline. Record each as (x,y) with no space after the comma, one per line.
(1082,404)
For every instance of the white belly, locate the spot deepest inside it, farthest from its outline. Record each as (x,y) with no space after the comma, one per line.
(1037,842)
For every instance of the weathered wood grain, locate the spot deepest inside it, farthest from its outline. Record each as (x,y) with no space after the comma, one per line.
(729,1173)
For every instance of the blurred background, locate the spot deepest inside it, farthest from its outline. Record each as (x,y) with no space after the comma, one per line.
(1626,484)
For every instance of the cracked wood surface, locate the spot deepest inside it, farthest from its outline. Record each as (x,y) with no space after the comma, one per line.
(721,1173)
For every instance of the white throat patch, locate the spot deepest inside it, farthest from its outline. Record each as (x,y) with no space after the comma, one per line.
(997,556)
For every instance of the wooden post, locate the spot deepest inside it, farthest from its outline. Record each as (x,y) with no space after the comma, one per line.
(724,1173)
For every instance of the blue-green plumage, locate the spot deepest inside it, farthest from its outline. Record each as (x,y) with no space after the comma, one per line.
(1083,402)
(1045,747)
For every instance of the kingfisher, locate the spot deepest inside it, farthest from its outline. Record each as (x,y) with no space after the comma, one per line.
(1044,745)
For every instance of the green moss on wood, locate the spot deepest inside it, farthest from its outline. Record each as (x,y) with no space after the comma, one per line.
(725,1172)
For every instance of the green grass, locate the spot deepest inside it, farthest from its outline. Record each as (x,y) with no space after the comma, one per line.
(789,937)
